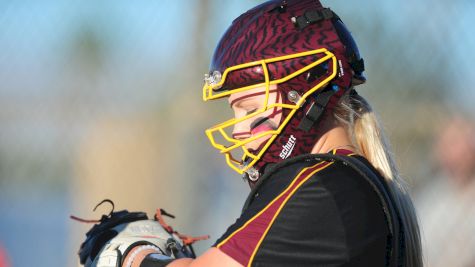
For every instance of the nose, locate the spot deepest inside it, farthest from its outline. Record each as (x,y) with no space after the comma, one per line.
(241,131)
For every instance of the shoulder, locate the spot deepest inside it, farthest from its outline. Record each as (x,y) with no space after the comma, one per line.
(325,185)
(338,206)
(346,185)
(323,206)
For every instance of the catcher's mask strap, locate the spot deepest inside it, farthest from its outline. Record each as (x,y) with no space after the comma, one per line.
(313,16)
(316,109)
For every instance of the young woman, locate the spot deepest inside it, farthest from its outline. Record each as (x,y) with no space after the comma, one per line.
(324,188)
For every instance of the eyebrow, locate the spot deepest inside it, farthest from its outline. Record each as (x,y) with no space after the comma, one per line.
(249,95)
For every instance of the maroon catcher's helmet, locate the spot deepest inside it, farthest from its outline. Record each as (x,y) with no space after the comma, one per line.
(302,48)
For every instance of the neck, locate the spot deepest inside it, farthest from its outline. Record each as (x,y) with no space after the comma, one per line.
(334,137)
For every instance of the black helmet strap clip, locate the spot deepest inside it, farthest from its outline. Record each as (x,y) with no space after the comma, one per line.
(313,16)
(317,108)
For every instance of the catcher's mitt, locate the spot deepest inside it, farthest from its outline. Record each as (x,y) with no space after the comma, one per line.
(113,236)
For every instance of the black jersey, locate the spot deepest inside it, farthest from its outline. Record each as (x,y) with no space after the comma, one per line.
(310,213)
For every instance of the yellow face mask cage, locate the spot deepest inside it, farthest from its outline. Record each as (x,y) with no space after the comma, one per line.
(209,94)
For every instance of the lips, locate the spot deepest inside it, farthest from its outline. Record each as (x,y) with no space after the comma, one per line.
(261,128)
(262,125)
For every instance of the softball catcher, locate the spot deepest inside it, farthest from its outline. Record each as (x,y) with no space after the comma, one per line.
(324,188)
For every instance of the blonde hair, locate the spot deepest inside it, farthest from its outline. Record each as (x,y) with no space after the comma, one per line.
(355,113)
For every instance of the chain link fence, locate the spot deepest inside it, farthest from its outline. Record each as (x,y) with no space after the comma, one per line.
(102,100)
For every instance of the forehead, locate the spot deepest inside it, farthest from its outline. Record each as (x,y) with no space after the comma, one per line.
(258,92)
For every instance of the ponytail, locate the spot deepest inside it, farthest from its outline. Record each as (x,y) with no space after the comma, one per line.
(355,113)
